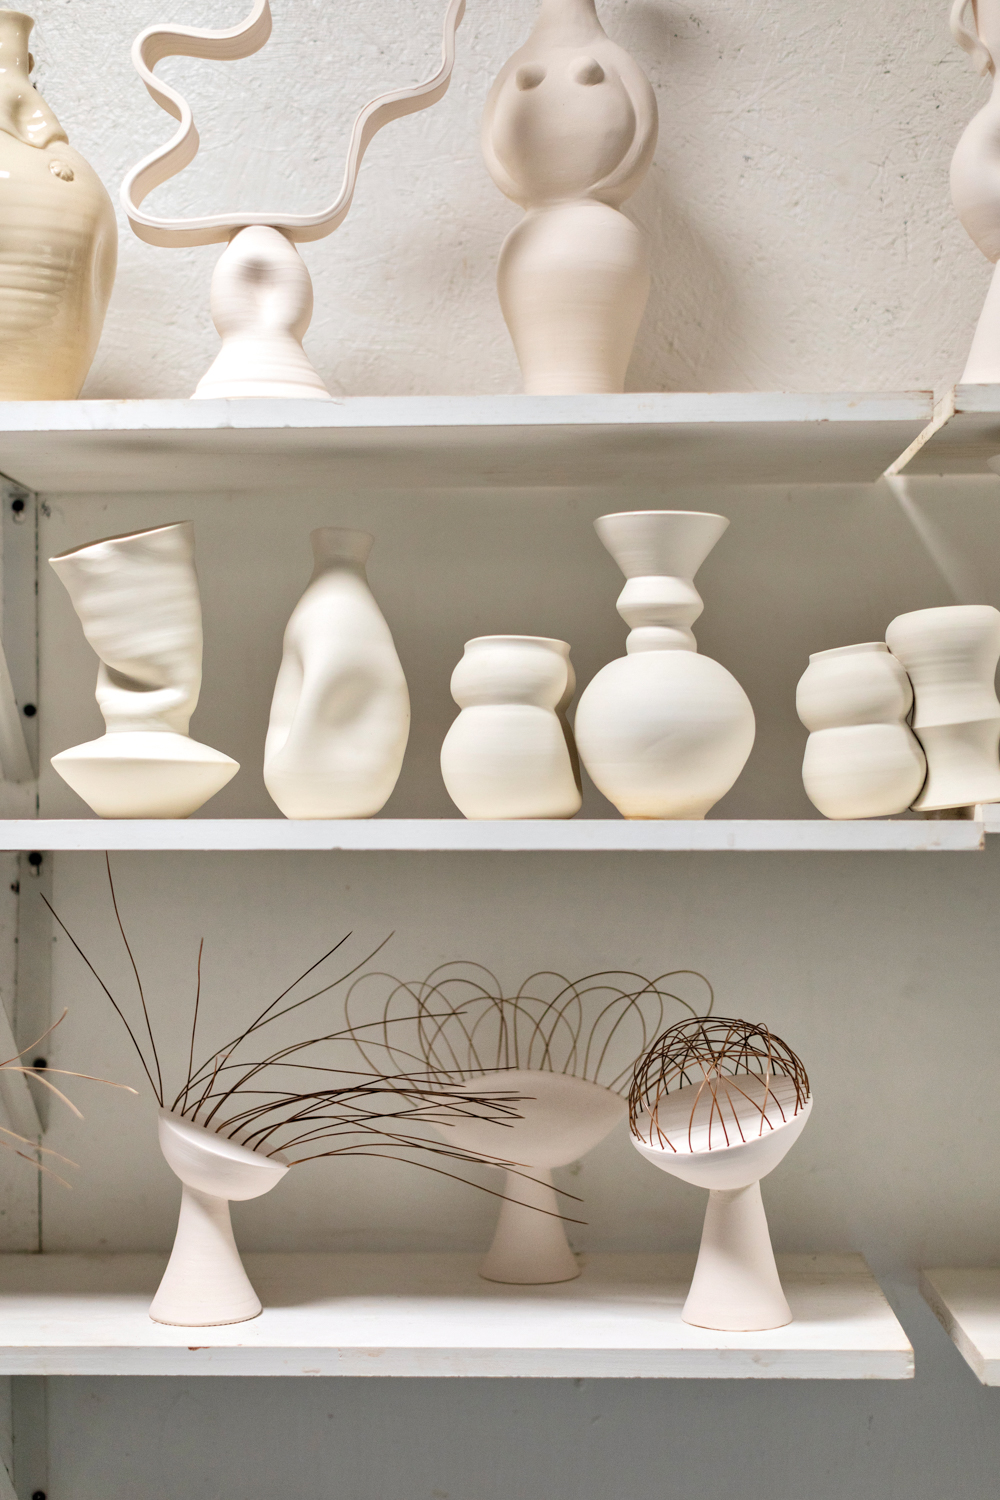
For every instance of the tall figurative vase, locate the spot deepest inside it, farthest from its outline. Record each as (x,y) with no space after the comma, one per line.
(975,176)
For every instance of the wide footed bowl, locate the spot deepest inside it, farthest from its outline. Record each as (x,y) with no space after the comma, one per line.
(562,1118)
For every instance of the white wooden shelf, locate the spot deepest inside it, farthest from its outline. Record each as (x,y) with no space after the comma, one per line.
(908,835)
(411,441)
(967,1303)
(963,436)
(432,1315)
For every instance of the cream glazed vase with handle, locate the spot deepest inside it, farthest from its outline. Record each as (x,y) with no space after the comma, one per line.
(862,759)
(951,656)
(509,752)
(137,599)
(975,176)
(568,133)
(340,715)
(58,239)
(663,731)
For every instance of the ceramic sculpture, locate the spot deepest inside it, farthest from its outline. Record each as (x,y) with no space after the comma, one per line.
(663,731)
(568,134)
(718,1103)
(862,759)
(261,292)
(951,657)
(509,754)
(563,1049)
(340,715)
(137,599)
(975,177)
(58,239)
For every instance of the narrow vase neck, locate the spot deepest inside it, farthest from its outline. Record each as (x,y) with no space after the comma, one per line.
(661,611)
(24,114)
(566,23)
(337,549)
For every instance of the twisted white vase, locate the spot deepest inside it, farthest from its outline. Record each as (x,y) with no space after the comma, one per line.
(862,759)
(975,176)
(509,752)
(205,1283)
(340,715)
(137,599)
(663,731)
(568,133)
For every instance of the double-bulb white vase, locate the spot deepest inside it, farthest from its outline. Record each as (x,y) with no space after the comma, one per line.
(510,752)
(340,715)
(663,731)
(862,760)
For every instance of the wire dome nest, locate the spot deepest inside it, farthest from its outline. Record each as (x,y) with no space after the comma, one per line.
(461,1023)
(746,1081)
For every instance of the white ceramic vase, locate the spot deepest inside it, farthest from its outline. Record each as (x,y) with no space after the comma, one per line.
(58,239)
(568,133)
(736,1287)
(562,1118)
(205,1283)
(509,754)
(137,599)
(663,731)
(340,716)
(862,759)
(951,657)
(975,176)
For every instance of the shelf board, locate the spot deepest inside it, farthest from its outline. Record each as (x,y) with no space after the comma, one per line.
(432,1315)
(656,439)
(967,1304)
(963,435)
(610,835)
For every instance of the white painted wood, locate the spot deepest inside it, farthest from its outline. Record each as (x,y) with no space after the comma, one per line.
(454,834)
(432,1315)
(962,437)
(748,437)
(967,1304)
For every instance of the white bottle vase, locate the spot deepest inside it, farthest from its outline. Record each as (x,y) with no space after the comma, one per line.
(340,716)
(58,239)
(736,1287)
(568,133)
(951,657)
(975,177)
(663,731)
(137,599)
(508,753)
(862,759)
(205,1283)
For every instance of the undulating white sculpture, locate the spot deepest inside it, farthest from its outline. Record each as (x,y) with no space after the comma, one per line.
(509,754)
(261,292)
(975,176)
(862,759)
(718,1103)
(663,731)
(58,239)
(568,133)
(137,599)
(951,656)
(340,715)
(205,1283)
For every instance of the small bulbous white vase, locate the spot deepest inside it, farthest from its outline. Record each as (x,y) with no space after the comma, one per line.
(509,754)
(663,731)
(975,177)
(340,715)
(137,600)
(736,1287)
(951,656)
(205,1283)
(562,1118)
(862,760)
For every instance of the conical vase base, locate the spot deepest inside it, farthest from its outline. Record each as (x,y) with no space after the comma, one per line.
(145,774)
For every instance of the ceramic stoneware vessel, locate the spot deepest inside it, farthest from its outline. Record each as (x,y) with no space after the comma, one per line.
(663,731)
(862,759)
(58,239)
(975,176)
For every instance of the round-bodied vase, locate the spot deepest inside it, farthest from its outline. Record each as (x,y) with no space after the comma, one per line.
(951,656)
(205,1283)
(663,731)
(58,239)
(562,1118)
(340,715)
(509,754)
(137,599)
(736,1287)
(975,176)
(862,759)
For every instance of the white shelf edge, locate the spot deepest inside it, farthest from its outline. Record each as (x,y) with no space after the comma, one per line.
(967,1305)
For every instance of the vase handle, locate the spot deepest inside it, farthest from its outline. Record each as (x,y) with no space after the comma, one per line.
(969,40)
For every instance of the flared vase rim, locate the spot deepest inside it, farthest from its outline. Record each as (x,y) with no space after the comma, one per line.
(621,515)
(123,536)
(232,1150)
(561,647)
(849,650)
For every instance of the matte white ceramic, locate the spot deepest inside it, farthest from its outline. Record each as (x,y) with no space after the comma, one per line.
(975,176)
